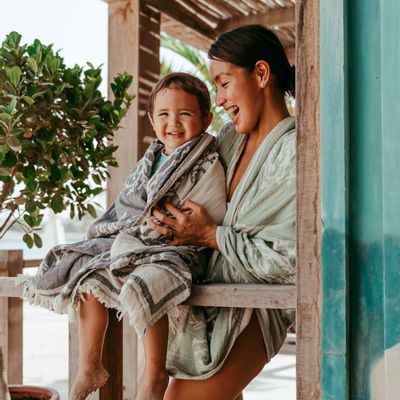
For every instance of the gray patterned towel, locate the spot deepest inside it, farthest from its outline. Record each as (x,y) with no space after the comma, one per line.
(126,265)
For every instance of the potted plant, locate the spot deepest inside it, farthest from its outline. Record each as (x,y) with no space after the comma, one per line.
(55,132)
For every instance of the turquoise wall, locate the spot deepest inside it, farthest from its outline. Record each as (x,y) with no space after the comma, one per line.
(360,151)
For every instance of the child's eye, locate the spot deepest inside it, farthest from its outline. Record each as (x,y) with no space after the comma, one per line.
(163,114)
(186,113)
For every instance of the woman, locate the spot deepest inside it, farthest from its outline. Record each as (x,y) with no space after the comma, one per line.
(216,352)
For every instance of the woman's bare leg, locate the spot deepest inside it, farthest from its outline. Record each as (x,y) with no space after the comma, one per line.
(93,321)
(155,378)
(246,359)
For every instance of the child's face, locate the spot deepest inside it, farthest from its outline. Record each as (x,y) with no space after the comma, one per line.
(176,118)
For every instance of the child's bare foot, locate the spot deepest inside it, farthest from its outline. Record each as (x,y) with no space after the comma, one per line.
(87,382)
(152,388)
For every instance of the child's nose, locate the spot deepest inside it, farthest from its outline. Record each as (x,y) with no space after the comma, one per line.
(173,122)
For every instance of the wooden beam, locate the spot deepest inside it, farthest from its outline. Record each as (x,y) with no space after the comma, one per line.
(308,202)
(214,295)
(113,359)
(243,296)
(184,33)
(182,15)
(279,17)
(222,7)
(8,287)
(32,263)
(201,12)
(134,42)
(134,31)
(11,327)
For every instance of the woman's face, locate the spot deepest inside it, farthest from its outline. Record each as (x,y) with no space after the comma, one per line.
(239,92)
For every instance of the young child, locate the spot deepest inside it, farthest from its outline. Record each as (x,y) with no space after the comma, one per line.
(126,265)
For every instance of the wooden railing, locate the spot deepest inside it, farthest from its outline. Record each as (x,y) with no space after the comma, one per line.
(123,366)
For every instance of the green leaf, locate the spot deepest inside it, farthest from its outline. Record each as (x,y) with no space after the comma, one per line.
(4,171)
(14,75)
(38,240)
(13,39)
(29,220)
(10,109)
(97,191)
(28,100)
(28,240)
(55,174)
(96,179)
(5,117)
(30,206)
(92,211)
(57,204)
(14,144)
(32,65)
(10,160)
(31,184)
(29,172)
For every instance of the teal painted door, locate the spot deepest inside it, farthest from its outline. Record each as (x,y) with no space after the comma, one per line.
(360,150)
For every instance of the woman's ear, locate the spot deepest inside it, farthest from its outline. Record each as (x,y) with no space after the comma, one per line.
(263,73)
(150,115)
(207,121)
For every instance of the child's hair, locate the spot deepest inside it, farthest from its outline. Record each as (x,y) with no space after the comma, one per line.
(186,82)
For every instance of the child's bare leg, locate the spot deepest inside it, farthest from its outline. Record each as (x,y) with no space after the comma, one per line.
(93,321)
(155,377)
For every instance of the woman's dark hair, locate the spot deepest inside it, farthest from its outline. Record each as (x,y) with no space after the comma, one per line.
(187,83)
(246,45)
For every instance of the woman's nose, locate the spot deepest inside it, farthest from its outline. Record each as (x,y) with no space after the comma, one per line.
(220,100)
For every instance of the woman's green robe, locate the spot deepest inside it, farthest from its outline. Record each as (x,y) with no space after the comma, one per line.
(256,243)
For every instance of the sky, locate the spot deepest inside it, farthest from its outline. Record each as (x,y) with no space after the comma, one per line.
(76,27)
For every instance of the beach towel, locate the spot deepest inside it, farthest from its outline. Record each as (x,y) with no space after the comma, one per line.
(126,265)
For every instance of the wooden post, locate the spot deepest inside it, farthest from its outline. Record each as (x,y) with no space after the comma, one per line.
(73,349)
(134,42)
(308,202)
(11,264)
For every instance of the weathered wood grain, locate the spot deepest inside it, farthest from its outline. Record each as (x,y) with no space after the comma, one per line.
(244,295)
(217,294)
(11,326)
(308,202)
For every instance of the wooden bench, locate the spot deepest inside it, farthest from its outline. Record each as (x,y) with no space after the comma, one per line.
(123,370)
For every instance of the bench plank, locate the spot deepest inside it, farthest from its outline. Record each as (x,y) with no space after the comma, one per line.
(216,294)
(244,295)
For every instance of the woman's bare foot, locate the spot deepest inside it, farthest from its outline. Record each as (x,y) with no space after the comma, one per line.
(153,388)
(87,382)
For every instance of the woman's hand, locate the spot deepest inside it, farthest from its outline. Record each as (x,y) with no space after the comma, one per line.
(192,225)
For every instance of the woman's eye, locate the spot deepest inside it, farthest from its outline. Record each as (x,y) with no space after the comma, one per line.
(225,84)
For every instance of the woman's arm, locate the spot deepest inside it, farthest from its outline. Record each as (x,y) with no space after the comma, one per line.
(191,225)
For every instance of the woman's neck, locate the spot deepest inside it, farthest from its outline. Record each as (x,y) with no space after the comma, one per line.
(274,111)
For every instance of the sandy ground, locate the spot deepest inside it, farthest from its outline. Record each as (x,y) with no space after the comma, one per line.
(46,359)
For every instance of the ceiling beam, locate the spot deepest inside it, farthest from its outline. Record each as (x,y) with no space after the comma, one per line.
(277,17)
(182,15)
(185,34)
